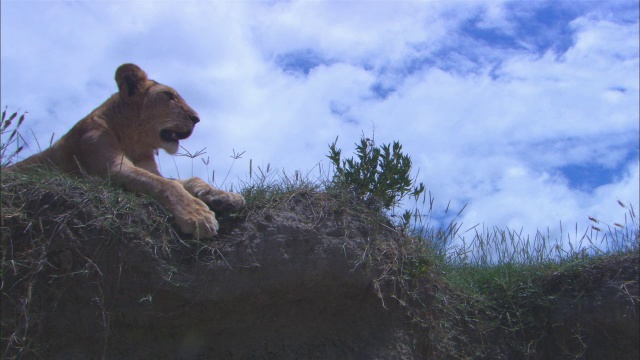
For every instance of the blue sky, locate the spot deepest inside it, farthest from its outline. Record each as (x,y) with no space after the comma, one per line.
(525,110)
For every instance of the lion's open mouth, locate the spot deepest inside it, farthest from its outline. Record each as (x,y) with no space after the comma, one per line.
(173,136)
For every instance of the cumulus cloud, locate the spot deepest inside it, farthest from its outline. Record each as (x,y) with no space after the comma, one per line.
(528,112)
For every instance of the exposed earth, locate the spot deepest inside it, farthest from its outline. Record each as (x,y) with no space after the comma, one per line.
(89,272)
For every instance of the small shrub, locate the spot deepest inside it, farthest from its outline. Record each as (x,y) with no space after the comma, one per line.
(380,176)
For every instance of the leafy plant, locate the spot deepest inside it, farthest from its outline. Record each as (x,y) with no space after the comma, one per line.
(380,176)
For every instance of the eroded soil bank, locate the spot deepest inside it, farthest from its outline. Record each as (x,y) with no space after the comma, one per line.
(91,272)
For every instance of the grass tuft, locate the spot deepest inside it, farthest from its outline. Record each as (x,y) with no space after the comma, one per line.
(11,141)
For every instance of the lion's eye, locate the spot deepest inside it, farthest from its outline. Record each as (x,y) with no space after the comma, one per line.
(170,95)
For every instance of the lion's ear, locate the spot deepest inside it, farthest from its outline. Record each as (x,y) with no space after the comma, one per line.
(131,80)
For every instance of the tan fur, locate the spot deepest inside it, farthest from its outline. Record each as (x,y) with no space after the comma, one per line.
(118,139)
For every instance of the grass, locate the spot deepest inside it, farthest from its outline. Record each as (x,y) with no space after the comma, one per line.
(507,279)
(495,295)
(11,142)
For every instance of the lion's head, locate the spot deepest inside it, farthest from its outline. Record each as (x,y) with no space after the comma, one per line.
(161,111)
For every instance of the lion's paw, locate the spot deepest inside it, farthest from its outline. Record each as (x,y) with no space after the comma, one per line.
(217,200)
(224,201)
(197,220)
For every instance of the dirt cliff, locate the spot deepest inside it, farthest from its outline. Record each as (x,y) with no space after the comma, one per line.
(95,272)
(92,272)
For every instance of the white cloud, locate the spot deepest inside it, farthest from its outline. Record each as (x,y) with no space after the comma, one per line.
(358,32)
(486,125)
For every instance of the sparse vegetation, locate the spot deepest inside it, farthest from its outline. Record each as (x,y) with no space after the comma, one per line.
(498,295)
(10,136)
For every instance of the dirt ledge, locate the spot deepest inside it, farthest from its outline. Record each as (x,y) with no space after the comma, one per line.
(91,272)
(288,282)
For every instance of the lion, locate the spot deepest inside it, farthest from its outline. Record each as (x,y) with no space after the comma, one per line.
(118,140)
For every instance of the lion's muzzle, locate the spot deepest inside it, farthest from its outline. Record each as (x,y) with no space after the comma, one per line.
(171,136)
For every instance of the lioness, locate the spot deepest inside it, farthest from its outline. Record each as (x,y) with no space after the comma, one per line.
(118,139)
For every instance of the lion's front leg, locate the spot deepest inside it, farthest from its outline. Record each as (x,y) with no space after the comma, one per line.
(217,200)
(192,215)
